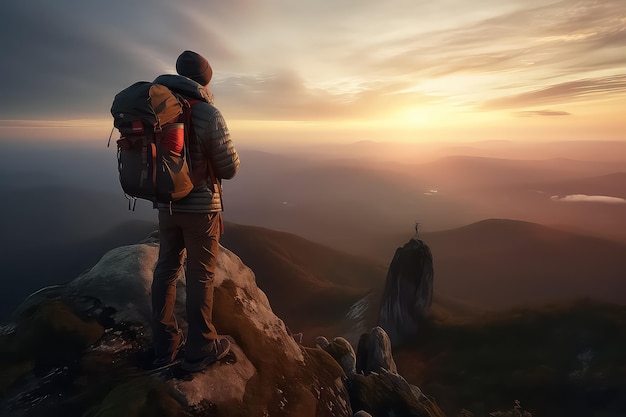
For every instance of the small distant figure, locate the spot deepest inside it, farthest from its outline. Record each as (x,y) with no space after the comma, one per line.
(417,231)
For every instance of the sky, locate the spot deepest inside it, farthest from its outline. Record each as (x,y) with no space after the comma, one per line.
(292,71)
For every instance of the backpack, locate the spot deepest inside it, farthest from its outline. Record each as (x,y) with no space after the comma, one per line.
(152,157)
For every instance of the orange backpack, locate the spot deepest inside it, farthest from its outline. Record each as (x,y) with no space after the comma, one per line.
(154,125)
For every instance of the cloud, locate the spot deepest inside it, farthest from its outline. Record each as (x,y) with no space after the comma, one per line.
(69,59)
(331,59)
(589,199)
(286,96)
(531,113)
(562,93)
(560,35)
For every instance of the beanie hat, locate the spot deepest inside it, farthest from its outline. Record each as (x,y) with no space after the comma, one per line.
(194,66)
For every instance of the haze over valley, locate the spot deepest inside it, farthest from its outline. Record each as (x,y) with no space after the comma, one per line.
(508,223)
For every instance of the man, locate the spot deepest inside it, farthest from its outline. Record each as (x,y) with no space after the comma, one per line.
(193,225)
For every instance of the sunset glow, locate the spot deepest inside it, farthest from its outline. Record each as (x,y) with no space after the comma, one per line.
(352,71)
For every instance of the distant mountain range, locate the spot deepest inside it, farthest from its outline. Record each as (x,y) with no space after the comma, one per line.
(346,200)
(360,200)
(494,264)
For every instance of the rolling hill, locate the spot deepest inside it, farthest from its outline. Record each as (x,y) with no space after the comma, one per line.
(309,285)
(501,263)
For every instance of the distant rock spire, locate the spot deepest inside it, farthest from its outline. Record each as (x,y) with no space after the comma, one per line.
(408,293)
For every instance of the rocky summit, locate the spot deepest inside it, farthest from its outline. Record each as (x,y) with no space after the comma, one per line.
(83,349)
(408,293)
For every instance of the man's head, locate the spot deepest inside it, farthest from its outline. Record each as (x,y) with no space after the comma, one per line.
(194,66)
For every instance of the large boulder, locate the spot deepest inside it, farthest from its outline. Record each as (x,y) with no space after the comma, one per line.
(103,316)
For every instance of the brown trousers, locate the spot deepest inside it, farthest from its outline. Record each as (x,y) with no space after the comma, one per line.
(197,234)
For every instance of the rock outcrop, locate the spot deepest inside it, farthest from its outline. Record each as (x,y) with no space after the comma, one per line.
(373,383)
(408,293)
(83,349)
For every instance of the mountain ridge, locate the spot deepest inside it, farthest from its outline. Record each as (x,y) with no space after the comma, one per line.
(309,284)
(504,262)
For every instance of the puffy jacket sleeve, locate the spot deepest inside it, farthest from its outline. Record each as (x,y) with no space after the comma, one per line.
(220,149)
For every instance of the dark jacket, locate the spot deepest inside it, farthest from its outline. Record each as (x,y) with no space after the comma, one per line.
(210,144)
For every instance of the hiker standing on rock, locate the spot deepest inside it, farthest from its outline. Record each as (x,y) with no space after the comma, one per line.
(193,225)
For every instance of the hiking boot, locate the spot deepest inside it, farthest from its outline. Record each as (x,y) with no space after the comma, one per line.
(220,349)
(166,360)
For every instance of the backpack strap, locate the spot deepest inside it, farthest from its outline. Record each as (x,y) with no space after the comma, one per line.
(187,121)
